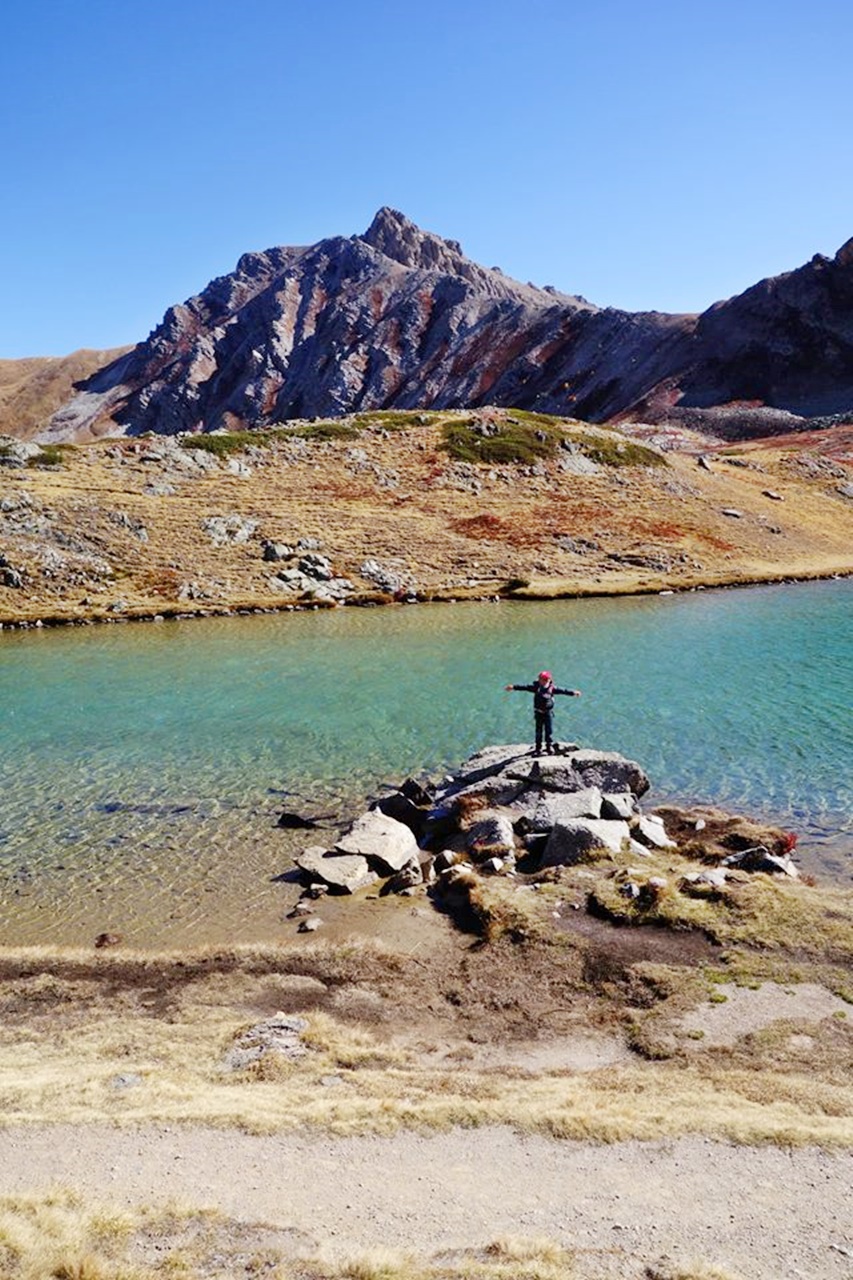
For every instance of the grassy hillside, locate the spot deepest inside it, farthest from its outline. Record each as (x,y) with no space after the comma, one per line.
(449,505)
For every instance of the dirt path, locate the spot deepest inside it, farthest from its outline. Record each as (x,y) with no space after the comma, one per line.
(761,1213)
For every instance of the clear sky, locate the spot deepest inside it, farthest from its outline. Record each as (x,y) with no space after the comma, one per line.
(648,154)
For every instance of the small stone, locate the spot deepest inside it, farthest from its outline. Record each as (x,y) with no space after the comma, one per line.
(310,925)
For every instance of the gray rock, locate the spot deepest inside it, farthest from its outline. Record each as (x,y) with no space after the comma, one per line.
(223,530)
(309,544)
(310,924)
(618,804)
(341,873)
(281,1034)
(444,860)
(386,844)
(408,877)
(732,513)
(651,831)
(316,566)
(846,490)
(610,771)
(761,859)
(401,809)
(571,842)
(16,453)
(549,808)
(275,551)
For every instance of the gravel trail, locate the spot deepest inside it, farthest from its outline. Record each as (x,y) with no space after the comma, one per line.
(762,1213)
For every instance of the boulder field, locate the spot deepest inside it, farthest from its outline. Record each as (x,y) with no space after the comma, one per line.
(507,812)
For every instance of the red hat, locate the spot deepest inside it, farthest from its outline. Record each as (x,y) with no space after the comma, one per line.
(545,677)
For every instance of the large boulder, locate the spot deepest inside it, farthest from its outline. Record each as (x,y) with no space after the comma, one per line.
(545,809)
(343,873)
(580,840)
(386,844)
(610,771)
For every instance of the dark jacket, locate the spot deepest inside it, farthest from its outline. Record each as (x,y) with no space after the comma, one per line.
(543,694)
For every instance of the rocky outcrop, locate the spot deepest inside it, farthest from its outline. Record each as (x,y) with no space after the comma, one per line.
(506,813)
(400,318)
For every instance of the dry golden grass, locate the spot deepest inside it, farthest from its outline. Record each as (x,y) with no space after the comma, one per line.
(771,912)
(71,1032)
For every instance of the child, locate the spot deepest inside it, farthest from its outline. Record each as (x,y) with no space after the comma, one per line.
(543,707)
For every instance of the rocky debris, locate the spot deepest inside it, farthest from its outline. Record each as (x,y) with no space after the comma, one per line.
(281,1034)
(732,513)
(131,523)
(310,924)
(390,577)
(845,490)
(506,813)
(229,530)
(17,453)
(650,830)
(761,859)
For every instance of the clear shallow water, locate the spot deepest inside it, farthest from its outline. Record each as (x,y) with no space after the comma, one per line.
(143,767)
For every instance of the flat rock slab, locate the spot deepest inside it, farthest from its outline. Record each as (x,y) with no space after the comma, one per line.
(386,843)
(341,872)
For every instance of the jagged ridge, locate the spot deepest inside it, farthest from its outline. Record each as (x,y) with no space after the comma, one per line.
(400,318)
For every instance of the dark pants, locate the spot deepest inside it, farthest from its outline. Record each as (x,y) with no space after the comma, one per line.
(544,726)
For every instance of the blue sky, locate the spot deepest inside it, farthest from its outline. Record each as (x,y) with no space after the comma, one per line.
(659,154)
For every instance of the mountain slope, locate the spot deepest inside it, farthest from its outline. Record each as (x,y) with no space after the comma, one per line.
(400,318)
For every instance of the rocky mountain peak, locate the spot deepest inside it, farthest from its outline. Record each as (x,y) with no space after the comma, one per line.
(393,234)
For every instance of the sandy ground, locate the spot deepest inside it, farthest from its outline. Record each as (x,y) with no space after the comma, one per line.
(765,1213)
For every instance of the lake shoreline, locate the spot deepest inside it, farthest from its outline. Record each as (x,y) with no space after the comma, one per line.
(538,591)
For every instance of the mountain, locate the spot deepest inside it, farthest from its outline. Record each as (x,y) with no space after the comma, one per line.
(400,318)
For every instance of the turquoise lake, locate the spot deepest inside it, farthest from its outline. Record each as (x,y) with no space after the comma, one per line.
(144,766)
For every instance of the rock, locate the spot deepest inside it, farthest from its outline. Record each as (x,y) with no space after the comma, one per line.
(493,866)
(771,493)
(341,873)
(761,859)
(732,513)
(280,1034)
(651,831)
(309,925)
(618,804)
(309,544)
(401,809)
(108,940)
(275,551)
(571,842)
(301,909)
(492,833)
(549,808)
(418,794)
(17,453)
(127,1080)
(296,822)
(315,566)
(11,577)
(386,577)
(845,490)
(386,844)
(444,860)
(223,530)
(406,878)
